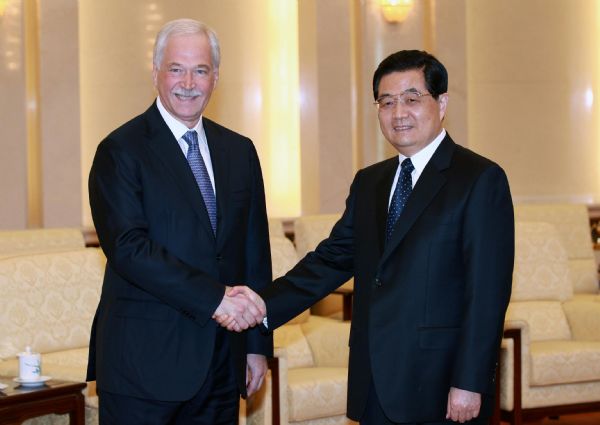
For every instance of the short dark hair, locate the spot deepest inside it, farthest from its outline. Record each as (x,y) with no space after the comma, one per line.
(436,76)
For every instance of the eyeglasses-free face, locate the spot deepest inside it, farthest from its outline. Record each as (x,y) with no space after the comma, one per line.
(186,77)
(409,117)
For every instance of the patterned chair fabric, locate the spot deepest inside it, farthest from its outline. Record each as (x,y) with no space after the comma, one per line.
(573,226)
(309,231)
(48,302)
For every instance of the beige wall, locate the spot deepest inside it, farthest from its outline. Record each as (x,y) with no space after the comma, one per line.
(116,77)
(13,131)
(39,125)
(61,197)
(523,91)
(533,94)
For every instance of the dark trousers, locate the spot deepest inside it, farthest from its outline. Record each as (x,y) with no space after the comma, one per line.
(216,403)
(373,414)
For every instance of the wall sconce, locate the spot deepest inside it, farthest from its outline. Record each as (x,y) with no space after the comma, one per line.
(3,4)
(395,11)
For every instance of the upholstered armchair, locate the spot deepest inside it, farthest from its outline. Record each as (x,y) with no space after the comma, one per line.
(48,302)
(550,357)
(573,225)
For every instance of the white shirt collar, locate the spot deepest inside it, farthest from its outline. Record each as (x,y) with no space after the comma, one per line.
(421,158)
(177,127)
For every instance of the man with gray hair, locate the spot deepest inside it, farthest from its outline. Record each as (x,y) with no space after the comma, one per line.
(179,207)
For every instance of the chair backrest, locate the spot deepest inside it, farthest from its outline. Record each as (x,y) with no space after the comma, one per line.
(310,230)
(541,265)
(276,228)
(35,241)
(283,258)
(572,223)
(540,281)
(49,300)
(290,335)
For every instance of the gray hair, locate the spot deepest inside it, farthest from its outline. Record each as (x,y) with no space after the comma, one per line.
(185,27)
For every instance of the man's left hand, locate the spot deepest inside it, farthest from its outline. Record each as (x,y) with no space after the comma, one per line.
(256,369)
(463,405)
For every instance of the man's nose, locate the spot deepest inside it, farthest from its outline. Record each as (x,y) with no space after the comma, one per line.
(400,109)
(188,79)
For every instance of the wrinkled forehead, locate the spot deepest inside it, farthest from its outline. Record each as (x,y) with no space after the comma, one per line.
(402,81)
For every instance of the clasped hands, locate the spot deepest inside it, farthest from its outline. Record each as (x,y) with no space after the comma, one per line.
(241,308)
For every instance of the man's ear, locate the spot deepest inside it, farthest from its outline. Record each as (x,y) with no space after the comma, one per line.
(443,102)
(216,72)
(154,75)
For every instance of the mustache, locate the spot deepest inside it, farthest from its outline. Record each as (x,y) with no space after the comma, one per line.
(187,92)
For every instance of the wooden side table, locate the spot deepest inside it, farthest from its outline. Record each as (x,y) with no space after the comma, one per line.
(18,403)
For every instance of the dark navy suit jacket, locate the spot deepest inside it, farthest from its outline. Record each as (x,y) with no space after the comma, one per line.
(153,335)
(429,305)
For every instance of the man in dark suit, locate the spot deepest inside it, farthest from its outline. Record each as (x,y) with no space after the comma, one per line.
(429,239)
(178,203)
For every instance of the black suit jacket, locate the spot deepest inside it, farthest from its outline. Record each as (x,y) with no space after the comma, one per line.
(429,305)
(153,336)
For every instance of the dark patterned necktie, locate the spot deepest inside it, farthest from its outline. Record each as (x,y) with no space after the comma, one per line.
(202,178)
(401,194)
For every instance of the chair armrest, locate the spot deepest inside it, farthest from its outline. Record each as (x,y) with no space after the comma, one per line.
(584,319)
(515,346)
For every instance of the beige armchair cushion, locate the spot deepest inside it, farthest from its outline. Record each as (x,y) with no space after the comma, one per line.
(564,362)
(48,300)
(283,255)
(292,338)
(572,224)
(571,221)
(283,259)
(328,340)
(584,319)
(32,241)
(541,265)
(276,228)
(310,230)
(586,297)
(584,275)
(316,392)
(546,319)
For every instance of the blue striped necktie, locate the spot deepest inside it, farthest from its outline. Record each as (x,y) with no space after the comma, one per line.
(202,178)
(401,194)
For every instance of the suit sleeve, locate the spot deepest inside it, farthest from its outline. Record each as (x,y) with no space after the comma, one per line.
(488,252)
(258,254)
(116,198)
(318,273)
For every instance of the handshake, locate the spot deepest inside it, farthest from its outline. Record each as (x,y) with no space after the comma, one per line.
(241,308)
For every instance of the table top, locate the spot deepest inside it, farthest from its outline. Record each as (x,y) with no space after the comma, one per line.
(53,387)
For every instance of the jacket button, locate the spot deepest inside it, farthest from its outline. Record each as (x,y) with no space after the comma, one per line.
(219,258)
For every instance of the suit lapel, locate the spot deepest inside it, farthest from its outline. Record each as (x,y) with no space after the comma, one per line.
(430,182)
(220,165)
(382,196)
(165,147)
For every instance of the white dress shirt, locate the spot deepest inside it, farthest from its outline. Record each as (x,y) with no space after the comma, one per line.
(179,129)
(419,161)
